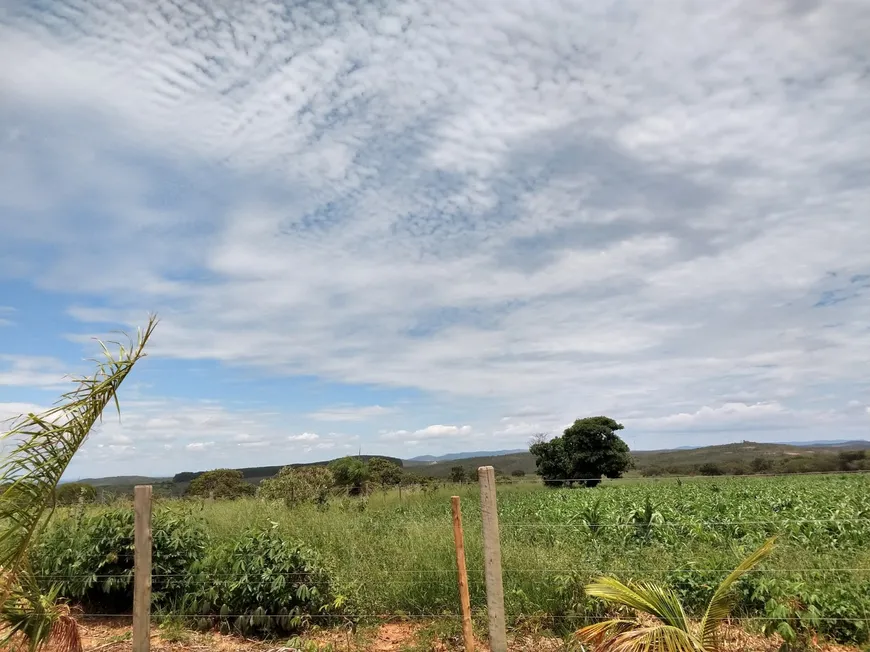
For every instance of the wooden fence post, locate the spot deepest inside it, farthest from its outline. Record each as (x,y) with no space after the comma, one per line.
(142,568)
(464,600)
(492,560)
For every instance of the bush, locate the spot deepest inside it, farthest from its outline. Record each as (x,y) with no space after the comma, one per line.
(222,484)
(350,472)
(261,584)
(74,492)
(298,485)
(708,468)
(458,474)
(518,473)
(91,556)
(384,472)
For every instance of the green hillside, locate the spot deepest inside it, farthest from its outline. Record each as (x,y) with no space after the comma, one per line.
(742,458)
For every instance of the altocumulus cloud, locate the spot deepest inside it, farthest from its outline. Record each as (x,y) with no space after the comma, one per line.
(651,211)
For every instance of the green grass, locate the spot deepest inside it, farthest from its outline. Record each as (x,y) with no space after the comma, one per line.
(392,555)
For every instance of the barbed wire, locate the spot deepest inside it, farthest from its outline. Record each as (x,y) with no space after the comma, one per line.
(379,575)
(400,615)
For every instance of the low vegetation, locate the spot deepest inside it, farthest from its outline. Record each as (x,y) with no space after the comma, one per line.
(391,554)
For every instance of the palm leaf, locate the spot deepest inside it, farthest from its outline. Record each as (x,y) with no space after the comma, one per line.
(647,597)
(723,599)
(44,444)
(630,636)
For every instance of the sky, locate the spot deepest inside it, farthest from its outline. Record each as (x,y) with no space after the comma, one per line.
(423,226)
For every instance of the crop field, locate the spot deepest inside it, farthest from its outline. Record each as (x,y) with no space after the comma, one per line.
(262,566)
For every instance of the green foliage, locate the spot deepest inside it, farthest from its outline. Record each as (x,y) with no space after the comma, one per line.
(298,485)
(587,450)
(224,484)
(708,468)
(458,474)
(44,445)
(518,473)
(261,583)
(75,492)
(351,473)
(670,630)
(384,472)
(40,618)
(89,557)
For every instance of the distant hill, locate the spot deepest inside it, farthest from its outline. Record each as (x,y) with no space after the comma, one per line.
(121,480)
(462,456)
(728,458)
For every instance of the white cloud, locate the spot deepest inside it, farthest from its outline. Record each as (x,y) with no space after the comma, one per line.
(31,371)
(727,415)
(198,445)
(347,413)
(305,436)
(476,201)
(427,433)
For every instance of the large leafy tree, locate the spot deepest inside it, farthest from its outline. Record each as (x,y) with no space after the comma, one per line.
(587,450)
(42,447)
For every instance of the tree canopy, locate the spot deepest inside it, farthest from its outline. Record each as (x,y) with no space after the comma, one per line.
(221,483)
(384,472)
(587,450)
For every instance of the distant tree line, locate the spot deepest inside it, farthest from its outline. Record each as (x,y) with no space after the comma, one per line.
(270,471)
(817,462)
(306,483)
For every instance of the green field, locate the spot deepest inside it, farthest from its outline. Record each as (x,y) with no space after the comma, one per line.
(387,555)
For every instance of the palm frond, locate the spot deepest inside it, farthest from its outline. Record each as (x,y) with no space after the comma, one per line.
(722,601)
(652,638)
(597,633)
(44,444)
(37,618)
(647,597)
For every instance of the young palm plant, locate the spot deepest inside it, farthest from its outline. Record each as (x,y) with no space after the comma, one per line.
(671,630)
(42,446)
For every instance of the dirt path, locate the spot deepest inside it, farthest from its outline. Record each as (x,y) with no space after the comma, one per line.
(389,637)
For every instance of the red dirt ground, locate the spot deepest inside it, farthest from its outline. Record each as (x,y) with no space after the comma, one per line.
(98,636)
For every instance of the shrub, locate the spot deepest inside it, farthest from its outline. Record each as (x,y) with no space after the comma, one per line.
(261,584)
(384,472)
(458,474)
(518,473)
(298,485)
(220,483)
(350,472)
(708,468)
(74,492)
(90,556)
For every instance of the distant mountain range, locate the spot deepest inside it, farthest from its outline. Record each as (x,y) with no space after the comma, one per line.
(463,456)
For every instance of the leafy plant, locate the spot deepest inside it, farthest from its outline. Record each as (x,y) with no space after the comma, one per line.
(90,557)
(38,618)
(43,446)
(263,584)
(298,485)
(672,632)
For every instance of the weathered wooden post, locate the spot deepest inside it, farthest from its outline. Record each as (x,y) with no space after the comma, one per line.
(492,560)
(142,568)
(462,571)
